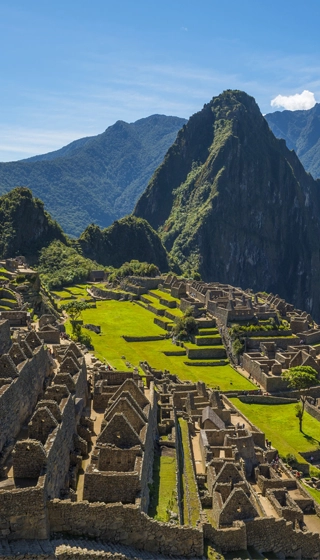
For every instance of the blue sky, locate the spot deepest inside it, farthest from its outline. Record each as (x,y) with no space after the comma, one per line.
(72,68)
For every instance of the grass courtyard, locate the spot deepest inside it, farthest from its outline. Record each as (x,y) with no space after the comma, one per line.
(281,427)
(118,318)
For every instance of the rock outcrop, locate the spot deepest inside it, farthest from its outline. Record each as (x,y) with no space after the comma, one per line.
(231,201)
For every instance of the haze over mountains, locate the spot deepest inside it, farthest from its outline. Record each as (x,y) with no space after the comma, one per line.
(301,131)
(96,179)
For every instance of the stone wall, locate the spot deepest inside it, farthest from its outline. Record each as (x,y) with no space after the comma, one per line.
(313,410)
(58,450)
(5,341)
(265,399)
(124,524)
(110,486)
(233,538)
(147,464)
(254,343)
(269,533)
(19,398)
(15,318)
(24,513)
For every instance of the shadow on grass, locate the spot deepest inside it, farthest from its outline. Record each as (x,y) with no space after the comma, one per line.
(311,439)
(155,487)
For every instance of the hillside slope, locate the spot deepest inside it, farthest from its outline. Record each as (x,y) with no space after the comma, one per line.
(25,227)
(301,131)
(125,240)
(96,179)
(233,202)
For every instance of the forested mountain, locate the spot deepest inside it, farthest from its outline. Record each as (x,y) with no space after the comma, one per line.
(25,227)
(126,239)
(231,201)
(96,179)
(301,131)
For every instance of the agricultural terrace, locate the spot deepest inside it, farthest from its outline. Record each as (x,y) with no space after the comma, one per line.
(118,318)
(281,427)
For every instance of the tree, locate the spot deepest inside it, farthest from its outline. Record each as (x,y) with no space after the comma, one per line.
(301,378)
(74,310)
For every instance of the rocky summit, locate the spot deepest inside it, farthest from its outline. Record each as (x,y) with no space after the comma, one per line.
(233,202)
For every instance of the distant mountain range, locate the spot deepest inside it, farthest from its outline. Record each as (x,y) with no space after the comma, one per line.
(231,201)
(301,131)
(96,179)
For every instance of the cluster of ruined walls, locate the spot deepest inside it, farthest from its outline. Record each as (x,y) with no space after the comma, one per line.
(19,398)
(124,524)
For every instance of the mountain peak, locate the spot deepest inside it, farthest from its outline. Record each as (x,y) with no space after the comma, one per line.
(231,201)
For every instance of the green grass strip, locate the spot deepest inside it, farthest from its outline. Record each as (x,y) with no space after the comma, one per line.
(191,509)
(163,493)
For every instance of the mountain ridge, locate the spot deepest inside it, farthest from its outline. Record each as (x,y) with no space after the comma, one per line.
(101,178)
(246,212)
(301,131)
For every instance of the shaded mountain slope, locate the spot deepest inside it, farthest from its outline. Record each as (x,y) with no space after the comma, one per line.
(96,179)
(233,202)
(25,227)
(301,131)
(125,240)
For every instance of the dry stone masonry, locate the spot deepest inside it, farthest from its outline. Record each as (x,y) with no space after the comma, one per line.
(78,438)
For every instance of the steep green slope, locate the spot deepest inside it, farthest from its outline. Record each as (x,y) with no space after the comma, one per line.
(96,179)
(25,227)
(301,131)
(127,239)
(233,202)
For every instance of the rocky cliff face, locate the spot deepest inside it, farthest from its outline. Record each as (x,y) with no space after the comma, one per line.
(127,239)
(25,227)
(233,202)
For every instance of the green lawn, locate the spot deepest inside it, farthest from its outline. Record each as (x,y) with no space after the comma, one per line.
(281,426)
(128,318)
(165,296)
(163,496)
(190,490)
(313,492)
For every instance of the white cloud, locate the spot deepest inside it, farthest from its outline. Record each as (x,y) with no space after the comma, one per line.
(304,100)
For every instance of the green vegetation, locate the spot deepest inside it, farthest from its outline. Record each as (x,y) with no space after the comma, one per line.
(191,507)
(271,324)
(98,178)
(125,318)
(301,378)
(279,424)
(74,310)
(163,498)
(133,268)
(62,265)
(24,225)
(185,327)
(314,492)
(126,239)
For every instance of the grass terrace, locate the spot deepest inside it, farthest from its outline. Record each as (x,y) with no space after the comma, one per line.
(281,427)
(128,318)
(163,494)
(191,511)
(164,295)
